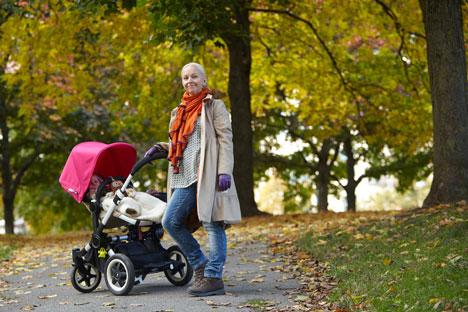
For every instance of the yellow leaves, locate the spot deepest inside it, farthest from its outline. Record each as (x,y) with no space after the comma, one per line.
(387,261)
(321,242)
(391,289)
(367,236)
(436,302)
(358,298)
(108,304)
(358,236)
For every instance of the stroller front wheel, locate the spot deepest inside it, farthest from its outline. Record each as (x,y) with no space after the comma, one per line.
(85,281)
(182,271)
(119,274)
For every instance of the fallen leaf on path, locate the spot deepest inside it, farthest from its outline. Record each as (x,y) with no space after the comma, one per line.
(108,304)
(217,304)
(257,280)
(301,298)
(47,296)
(10,301)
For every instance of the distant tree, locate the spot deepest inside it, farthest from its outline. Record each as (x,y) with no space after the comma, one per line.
(443,23)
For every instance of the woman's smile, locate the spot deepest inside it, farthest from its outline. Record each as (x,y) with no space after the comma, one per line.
(192,80)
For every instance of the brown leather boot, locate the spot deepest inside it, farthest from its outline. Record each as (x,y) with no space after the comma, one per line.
(208,287)
(198,276)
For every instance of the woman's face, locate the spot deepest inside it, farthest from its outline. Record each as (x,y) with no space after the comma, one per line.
(192,80)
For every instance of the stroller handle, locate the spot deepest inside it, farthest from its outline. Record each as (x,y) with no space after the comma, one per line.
(147,159)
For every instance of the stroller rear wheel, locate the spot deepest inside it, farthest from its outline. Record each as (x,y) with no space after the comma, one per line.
(119,274)
(182,273)
(85,281)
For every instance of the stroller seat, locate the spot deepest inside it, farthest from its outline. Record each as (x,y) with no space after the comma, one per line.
(136,205)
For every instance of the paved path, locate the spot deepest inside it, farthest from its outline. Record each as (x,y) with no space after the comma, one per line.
(253,278)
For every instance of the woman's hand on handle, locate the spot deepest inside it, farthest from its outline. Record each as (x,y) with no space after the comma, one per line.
(157,148)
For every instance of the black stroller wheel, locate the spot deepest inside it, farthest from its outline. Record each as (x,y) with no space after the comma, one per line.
(87,281)
(119,274)
(182,274)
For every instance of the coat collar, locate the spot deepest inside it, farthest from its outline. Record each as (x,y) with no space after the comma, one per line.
(208,98)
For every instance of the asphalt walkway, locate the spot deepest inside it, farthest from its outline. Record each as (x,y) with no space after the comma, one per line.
(39,280)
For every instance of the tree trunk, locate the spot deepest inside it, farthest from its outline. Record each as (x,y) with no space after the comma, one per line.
(7,192)
(351,197)
(447,71)
(8,208)
(240,61)
(351,184)
(323,177)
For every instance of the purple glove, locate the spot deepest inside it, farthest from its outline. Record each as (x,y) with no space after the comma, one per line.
(157,148)
(224,182)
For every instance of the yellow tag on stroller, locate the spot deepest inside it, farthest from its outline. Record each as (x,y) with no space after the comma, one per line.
(102,252)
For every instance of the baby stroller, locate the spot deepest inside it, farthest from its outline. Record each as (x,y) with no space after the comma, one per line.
(124,259)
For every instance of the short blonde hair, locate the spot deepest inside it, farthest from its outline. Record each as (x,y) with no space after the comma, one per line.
(199,68)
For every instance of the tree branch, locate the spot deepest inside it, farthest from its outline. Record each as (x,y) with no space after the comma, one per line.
(354,93)
(359,180)
(270,158)
(314,30)
(22,170)
(335,155)
(335,178)
(264,44)
(401,33)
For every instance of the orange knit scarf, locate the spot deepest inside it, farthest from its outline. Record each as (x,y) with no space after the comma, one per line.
(184,125)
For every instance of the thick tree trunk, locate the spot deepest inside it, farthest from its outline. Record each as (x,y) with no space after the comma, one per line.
(323,178)
(6,172)
(240,61)
(447,70)
(8,215)
(351,198)
(352,183)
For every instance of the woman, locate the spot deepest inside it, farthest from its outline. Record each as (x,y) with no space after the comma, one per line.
(200,175)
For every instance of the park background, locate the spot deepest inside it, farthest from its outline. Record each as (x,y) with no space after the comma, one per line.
(337,95)
(328,100)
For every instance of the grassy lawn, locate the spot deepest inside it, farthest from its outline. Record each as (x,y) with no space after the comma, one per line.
(412,262)
(5,252)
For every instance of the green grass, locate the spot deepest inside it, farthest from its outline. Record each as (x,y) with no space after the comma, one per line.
(5,252)
(416,262)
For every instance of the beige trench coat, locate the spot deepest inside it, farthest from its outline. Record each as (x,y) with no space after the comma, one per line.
(216,157)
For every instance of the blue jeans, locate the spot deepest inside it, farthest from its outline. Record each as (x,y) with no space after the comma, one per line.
(177,211)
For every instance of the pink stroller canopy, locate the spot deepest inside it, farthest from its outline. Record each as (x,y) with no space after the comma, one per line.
(88,158)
